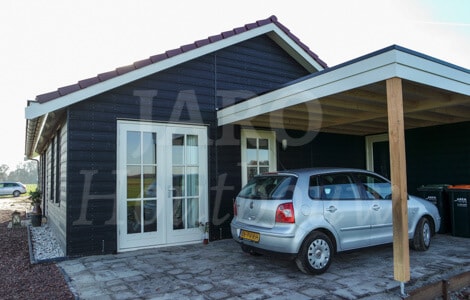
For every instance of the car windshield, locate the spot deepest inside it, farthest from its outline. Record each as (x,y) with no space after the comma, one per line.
(269,187)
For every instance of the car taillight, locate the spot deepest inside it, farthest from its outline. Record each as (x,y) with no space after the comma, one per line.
(285,213)
(235,211)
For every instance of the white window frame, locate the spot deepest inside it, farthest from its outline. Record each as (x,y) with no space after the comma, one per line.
(258,134)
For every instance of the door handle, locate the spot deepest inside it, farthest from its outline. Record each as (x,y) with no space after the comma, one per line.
(376,207)
(332,209)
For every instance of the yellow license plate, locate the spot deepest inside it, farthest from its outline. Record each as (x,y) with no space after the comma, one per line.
(249,235)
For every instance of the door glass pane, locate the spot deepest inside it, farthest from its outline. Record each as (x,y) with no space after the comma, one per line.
(252,171)
(193,212)
(177,149)
(149,153)
(133,217)
(150,183)
(134,189)
(150,215)
(178,213)
(192,150)
(263,170)
(263,152)
(193,181)
(133,147)
(178,182)
(251,152)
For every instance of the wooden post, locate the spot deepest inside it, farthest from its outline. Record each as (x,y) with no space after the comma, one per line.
(396,132)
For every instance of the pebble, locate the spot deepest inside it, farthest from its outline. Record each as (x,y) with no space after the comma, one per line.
(44,243)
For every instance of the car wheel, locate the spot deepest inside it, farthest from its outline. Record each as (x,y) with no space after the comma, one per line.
(16,193)
(422,237)
(249,250)
(315,254)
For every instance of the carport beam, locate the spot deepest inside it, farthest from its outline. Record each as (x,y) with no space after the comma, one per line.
(396,132)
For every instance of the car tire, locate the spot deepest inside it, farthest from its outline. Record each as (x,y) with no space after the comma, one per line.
(16,193)
(422,237)
(315,254)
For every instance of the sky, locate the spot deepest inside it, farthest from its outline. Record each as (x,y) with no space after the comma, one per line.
(54,43)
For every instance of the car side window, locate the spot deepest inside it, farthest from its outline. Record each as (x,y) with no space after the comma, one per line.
(314,188)
(375,187)
(333,187)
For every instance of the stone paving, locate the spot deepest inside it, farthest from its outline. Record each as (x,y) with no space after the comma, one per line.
(220,270)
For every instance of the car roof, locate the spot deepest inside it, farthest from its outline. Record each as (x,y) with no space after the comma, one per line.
(321,170)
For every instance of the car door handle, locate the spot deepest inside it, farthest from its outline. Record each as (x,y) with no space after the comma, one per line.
(376,207)
(332,209)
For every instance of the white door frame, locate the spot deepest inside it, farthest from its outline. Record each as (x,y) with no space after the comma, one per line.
(370,140)
(165,234)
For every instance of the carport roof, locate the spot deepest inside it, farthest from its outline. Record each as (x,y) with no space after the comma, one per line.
(351,97)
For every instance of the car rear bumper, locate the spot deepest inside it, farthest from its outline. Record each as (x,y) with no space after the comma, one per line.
(281,239)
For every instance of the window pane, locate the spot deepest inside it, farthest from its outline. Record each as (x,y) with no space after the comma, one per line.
(192,150)
(263,144)
(178,148)
(150,182)
(178,213)
(263,170)
(178,182)
(251,143)
(252,171)
(193,212)
(133,147)
(251,157)
(314,188)
(133,217)
(376,187)
(263,156)
(193,181)
(133,182)
(150,215)
(149,148)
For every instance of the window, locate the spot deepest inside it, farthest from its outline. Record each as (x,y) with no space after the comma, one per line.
(269,187)
(338,186)
(375,187)
(258,153)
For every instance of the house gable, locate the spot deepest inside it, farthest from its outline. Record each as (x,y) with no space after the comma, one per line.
(187,93)
(86,88)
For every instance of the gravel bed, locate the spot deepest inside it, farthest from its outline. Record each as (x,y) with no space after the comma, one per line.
(44,244)
(19,278)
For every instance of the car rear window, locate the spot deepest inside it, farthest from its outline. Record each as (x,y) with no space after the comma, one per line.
(269,187)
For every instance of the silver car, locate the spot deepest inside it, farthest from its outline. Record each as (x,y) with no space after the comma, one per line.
(311,214)
(12,188)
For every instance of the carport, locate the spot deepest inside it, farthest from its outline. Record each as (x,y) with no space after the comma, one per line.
(388,91)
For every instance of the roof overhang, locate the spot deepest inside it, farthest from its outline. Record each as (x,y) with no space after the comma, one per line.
(36,109)
(351,98)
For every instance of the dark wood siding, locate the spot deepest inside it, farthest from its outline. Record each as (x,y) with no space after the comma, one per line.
(438,155)
(56,212)
(187,93)
(321,150)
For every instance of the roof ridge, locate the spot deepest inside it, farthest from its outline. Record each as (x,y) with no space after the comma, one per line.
(82,84)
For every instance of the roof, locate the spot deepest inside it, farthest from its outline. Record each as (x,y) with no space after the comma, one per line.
(351,98)
(85,83)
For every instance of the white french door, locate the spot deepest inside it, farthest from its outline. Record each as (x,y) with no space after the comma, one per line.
(162,184)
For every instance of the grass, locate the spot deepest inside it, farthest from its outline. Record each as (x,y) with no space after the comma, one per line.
(30,188)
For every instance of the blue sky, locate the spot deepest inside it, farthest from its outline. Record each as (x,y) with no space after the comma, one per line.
(53,43)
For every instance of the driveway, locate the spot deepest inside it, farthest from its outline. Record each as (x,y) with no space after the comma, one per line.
(220,270)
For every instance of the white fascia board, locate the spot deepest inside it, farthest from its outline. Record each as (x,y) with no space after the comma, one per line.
(350,76)
(393,63)
(432,73)
(37,109)
(297,49)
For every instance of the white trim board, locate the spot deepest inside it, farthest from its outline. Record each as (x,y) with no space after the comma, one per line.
(370,69)
(37,109)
